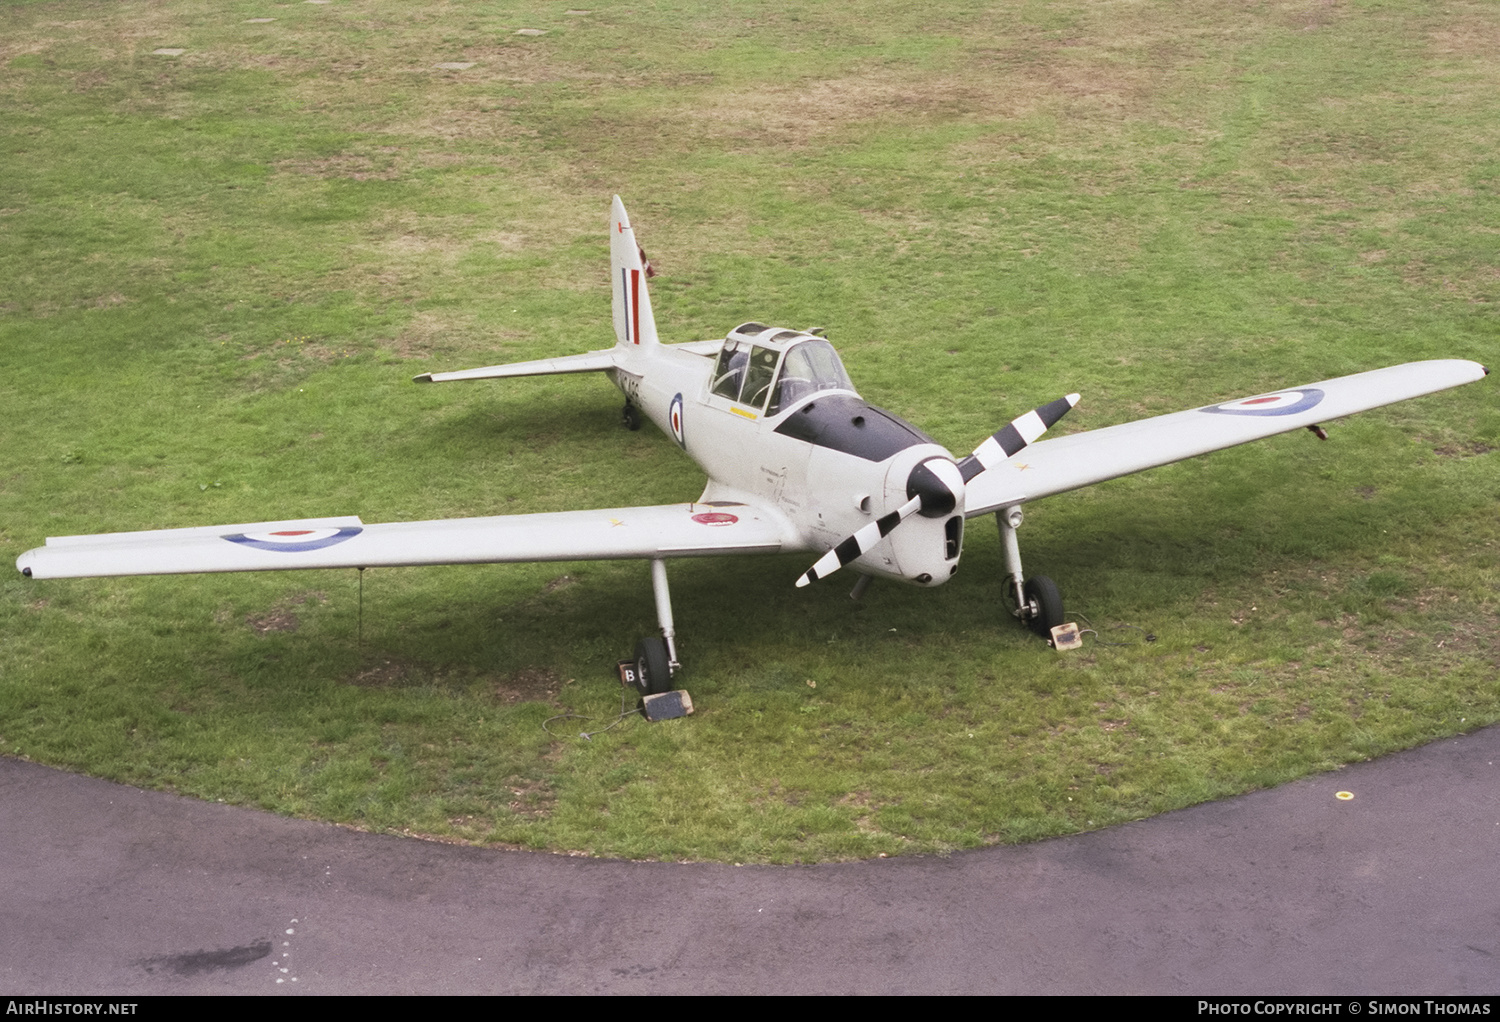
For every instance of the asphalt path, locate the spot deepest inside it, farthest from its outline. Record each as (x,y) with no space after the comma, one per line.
(106,889)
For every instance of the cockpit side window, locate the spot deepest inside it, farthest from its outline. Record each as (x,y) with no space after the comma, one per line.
(731,369)
(758,376)
(810,366)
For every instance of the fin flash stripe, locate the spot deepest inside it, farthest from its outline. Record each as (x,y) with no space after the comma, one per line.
(635,303)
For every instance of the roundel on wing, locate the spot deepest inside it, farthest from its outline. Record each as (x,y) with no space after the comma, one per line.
(674,419)
(292,541)
(1286,402)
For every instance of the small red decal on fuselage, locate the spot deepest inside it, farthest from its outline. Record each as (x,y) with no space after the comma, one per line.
(715,518)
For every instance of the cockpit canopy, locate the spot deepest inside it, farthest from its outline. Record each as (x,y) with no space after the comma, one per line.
(747,369)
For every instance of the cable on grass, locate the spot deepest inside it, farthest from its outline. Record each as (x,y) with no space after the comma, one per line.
(1148,636)
(588,736)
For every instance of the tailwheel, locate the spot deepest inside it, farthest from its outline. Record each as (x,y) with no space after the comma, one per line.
(1044,607)
(652,666)
(630,415)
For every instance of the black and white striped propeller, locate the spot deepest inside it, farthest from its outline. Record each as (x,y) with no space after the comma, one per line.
(936,485)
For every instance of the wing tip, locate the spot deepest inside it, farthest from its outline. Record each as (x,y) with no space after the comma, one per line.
(422,378)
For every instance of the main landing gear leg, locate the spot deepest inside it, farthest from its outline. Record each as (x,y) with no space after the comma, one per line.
(664,612)
(1038,604)
(656,658)
(630,416)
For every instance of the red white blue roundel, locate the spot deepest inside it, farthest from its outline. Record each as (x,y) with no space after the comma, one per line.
(674,419)
(293,541)
(1287,402)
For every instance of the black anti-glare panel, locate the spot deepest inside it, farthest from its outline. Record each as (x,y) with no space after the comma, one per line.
(851,425)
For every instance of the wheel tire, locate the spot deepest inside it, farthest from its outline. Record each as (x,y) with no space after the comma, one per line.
(652,667)
(631,417)
(1042,593)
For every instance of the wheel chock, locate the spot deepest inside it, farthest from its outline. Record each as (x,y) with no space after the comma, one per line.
(667,705)
(1066,636)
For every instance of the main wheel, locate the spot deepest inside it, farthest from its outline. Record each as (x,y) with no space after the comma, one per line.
(630,415)
(1046,602)
(652,667)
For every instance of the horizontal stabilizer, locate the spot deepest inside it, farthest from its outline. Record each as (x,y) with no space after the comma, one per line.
(709,348)
(588,362)
(1079,459)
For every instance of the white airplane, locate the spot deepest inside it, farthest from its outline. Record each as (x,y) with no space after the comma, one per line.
(796,461)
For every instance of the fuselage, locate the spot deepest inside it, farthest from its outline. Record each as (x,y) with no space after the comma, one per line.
(773,420)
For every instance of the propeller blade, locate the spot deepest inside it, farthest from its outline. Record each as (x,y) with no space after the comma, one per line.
(1011,440)
(860,543)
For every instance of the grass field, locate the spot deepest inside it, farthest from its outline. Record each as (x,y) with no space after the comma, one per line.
(220,268)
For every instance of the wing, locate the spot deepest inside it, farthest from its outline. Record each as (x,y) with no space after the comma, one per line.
(672,530)
(1079,459)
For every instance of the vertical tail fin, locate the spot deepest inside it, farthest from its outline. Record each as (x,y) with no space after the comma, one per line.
(634,324)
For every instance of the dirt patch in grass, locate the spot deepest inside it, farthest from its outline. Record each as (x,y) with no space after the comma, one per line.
(800,114)
(90,80)
(290,352)
(281,617)
(1473,35)
(560,582)
(407,246)
(389,674)
(352,166)
(274,621)
(1474,636)
(794,115)
(461,123)
(529,685)
(1462,449)
(1309,17)
(533,799)
(865,807)
(414,255)
(433,333)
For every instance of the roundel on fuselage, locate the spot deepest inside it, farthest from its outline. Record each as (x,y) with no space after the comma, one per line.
(674,420)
